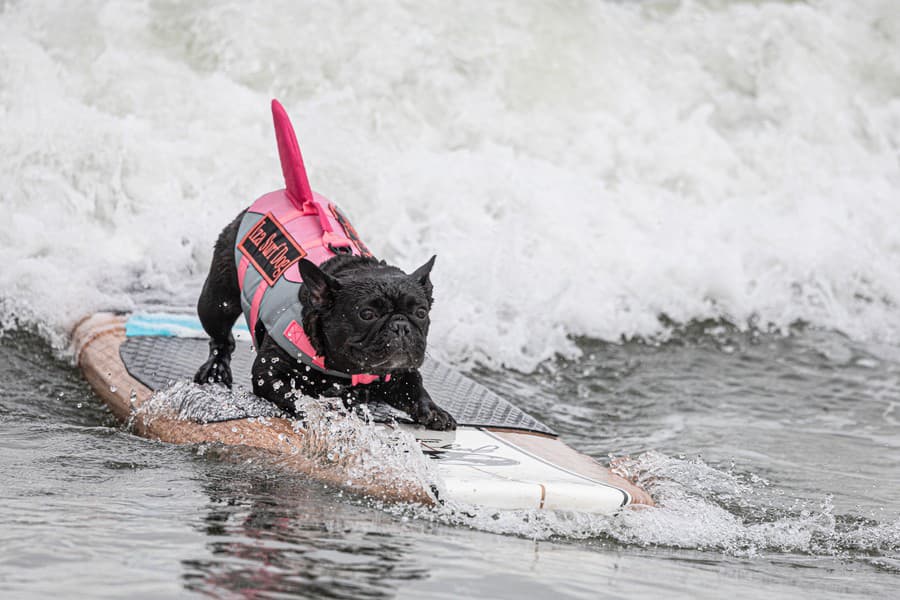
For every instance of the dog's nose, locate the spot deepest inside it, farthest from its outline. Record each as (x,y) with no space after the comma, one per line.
(400,327)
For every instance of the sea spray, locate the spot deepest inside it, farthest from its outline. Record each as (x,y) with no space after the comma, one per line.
(329,441)
(698,507)
(578,172)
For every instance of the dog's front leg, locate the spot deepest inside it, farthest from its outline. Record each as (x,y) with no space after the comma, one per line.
(406,392)
(217,368)
(219,307)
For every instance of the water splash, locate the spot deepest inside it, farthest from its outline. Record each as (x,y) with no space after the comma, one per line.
(698,507)
(207,403)
(347,439)
(329,441)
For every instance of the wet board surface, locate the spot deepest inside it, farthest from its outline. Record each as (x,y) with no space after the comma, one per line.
(499,457)
(158,361)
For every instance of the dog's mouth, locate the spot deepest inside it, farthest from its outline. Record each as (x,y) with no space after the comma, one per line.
(403,358)
(399,362)
(397,354)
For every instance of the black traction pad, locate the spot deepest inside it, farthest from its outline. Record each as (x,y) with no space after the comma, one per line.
(158,362)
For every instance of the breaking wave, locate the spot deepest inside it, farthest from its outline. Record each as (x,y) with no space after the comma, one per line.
(578,172)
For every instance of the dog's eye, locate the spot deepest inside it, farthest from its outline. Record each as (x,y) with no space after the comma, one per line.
(421,313)
(367,314)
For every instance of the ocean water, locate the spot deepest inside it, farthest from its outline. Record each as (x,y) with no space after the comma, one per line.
(670,230)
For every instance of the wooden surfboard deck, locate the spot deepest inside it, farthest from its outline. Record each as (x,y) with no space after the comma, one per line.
(499,457)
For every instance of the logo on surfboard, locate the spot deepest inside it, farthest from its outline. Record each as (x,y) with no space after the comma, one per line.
(454,454)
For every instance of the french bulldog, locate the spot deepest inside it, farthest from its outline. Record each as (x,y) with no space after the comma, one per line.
(359,313)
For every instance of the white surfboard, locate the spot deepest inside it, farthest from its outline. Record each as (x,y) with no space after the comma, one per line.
(499,456)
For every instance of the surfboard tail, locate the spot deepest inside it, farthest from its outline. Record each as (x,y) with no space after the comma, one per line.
(295,179)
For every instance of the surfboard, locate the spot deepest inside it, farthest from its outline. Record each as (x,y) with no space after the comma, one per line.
(499,456)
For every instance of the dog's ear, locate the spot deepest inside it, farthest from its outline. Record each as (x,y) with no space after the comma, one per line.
(422,276)
(320,286)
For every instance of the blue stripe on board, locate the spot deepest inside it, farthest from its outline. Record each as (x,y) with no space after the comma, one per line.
(173,325)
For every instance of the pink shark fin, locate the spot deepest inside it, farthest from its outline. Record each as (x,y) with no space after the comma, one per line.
(295,179)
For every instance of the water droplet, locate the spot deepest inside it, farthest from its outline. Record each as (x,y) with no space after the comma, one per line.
(79,405)
(234,430)
(113,389)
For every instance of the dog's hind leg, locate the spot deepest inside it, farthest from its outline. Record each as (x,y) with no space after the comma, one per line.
(219,306)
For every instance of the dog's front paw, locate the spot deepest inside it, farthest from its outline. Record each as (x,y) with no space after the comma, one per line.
(433,416)
(214,370)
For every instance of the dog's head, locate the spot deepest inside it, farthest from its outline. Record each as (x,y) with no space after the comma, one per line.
(365,316)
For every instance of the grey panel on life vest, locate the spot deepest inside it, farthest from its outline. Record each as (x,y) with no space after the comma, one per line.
(278,307)
(158,362)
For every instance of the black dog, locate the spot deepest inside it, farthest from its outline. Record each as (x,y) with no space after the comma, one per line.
(359,313)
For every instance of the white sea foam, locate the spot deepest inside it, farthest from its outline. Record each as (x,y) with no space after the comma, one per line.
(578,170)
(698,507)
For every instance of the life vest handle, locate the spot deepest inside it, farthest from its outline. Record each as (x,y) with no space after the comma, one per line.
(338,244)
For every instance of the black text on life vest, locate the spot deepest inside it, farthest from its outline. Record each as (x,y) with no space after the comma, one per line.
(271,250)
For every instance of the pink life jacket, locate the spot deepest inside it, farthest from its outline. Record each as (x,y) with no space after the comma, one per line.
(278,230)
